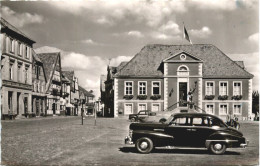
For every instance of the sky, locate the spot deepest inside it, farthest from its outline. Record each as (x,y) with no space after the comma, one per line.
(89,33)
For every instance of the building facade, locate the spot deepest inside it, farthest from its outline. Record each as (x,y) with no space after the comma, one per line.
(74,93)
(16,69)
(39,97)
(166,77)
(52,66)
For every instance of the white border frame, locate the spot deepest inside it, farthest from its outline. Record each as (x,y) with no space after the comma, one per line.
(219,87)
(214,112)
(241,85)
(159,87)
(156,104)
(125,107)
(233,108)
(214,92)
(139,104)
(219,108)
(139,87)
(125,87)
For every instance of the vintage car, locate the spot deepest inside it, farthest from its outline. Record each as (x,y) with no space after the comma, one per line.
(141,116)
(186,130)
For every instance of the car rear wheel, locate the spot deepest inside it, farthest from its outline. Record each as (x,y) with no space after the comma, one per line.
(144,145)
(217,147)
(132,119)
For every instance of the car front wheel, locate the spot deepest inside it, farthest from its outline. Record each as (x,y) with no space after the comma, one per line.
(144,145)
(217,147)
(132,119)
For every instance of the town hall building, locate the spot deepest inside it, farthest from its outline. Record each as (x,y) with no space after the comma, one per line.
(160,77)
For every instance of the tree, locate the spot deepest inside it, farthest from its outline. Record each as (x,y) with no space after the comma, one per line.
(255,102)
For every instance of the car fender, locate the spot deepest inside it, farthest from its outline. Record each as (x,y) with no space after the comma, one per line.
(221,136)
(156,136)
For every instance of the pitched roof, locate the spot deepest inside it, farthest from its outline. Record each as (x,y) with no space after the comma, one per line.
(5,24)
(49,62)
(36,57)
(215,63)
(121,65)
(241,64)
(86,93)
(69,74)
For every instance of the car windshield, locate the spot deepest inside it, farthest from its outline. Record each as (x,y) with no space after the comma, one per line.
(217,122)
(169,120)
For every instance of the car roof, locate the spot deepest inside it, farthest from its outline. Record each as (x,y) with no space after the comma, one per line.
(193,115)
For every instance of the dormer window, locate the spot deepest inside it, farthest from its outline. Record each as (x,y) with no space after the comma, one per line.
(183,70)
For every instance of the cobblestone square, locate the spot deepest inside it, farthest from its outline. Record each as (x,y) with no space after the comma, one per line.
(64,141)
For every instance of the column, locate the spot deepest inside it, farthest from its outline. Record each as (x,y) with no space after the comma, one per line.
(165,86)
(250,91)
(116,98)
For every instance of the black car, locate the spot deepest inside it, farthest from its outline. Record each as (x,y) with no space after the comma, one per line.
(186,130)
(141,116)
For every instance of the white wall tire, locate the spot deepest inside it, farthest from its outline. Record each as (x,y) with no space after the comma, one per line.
(217,148)
(144,145)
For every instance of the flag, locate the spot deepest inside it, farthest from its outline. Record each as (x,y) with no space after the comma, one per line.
(186,35)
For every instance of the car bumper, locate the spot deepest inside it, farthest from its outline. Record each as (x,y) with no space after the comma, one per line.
(243,145)
(128,140)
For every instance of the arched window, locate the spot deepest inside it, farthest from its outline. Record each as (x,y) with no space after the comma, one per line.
(183,70)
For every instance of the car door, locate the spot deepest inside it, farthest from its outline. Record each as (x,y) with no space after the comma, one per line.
(142,115)
(178,128)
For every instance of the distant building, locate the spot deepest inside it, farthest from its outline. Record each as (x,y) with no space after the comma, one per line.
(66,106)
(39,98)
(160,77)
(16,69)
(74,91)
(107,94)
(52,66)
(86,101)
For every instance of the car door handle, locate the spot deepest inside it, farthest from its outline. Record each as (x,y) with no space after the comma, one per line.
(192,129)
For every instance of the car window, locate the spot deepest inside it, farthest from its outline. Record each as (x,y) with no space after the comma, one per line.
(181,121)
(216,123)
(199,121)
(142,113)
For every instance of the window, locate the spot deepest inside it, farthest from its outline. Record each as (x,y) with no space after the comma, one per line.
(141,106)
(210,88)
(210,108)
(182,56)
(183,70)
(142,113)
(216,123)
(155,107)
(199,121)
(128,88)
(237,109)
(11,70)
(39,87)
(237,88)
(12,45)
(128,108)
(223,88)
(223,109)
(19,74)
(10,101)
(26,75)
(156,88)
(20,49)
(181,121)
(142,88)
(27,52)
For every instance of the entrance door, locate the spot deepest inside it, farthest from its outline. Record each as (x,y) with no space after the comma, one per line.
(54,108)
(183,93)
(128,109)
(37,107)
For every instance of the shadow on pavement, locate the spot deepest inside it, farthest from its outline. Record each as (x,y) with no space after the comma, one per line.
(176,151)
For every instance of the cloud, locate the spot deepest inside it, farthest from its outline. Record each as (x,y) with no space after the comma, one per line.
(135,34)
(20,19)
(251,62)
(105,20)
(254,38)
(202,33)
(90,42)
(151,13)
(227,5)
(170,28)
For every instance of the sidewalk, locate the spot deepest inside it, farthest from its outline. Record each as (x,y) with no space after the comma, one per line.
(39,118)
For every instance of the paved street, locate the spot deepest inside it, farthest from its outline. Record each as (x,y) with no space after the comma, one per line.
(64,141)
